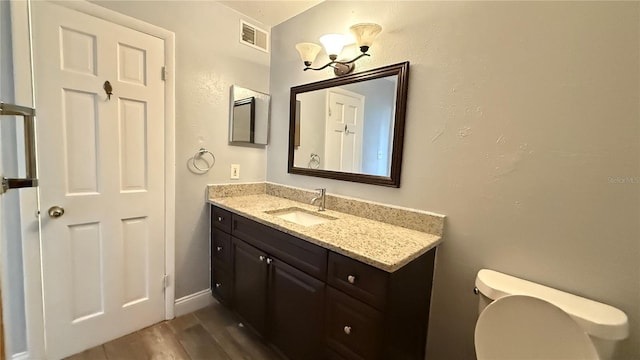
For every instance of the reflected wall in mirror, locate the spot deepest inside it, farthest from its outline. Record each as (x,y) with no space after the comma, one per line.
(350,128)
(249,117)
(244,120)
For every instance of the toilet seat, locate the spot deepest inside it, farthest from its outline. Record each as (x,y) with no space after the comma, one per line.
(525,327)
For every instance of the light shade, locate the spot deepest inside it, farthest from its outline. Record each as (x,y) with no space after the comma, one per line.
(333,44)
(365,34)
(308,52)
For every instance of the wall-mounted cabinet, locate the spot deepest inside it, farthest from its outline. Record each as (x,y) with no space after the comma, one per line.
(313,303)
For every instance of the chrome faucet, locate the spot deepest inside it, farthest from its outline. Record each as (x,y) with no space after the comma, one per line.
(321,195)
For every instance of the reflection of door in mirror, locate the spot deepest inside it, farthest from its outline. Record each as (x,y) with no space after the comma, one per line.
(243,128)
(343,131)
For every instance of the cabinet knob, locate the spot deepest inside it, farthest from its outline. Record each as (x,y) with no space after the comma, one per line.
(351,279)
(347,330)
(261,257)
(220,218)
(219,248)
(218,285)
(269,261)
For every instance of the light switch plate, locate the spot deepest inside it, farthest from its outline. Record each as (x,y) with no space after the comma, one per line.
(235,171)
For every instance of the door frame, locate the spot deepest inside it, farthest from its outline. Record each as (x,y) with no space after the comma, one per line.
(25,95)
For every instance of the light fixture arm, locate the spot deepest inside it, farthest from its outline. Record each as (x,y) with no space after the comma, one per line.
(330,63)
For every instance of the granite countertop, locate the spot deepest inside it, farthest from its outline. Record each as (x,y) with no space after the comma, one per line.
(386,247)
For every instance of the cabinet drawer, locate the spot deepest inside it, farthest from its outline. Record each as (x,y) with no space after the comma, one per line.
(221,284)
(221,219)
(220,248)
(357,279)
(301,254)
(354,329)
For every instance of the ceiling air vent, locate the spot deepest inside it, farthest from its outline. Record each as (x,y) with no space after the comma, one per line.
(253,36)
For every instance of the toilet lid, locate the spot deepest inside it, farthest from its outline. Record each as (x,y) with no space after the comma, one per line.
(524,327)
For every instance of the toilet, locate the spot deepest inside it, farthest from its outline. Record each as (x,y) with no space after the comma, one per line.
(519,319)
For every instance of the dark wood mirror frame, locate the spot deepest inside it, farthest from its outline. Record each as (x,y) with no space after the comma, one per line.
(402,71)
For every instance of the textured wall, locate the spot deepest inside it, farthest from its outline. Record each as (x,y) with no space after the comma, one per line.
(209,59)
(522,127)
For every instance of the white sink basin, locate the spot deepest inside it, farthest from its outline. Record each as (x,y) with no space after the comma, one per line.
(301,216)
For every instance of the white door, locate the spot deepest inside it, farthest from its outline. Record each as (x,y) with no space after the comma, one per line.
(343,131)
(102,161)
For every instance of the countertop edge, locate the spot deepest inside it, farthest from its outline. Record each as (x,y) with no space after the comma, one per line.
(390,268)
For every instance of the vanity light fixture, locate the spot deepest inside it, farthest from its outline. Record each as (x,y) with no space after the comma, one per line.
(333,44)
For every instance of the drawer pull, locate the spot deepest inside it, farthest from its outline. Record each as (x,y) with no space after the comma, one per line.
(220,218)
(347,330)
(262,258)
(219,248)
(351,279)
(269,261)
(218,285)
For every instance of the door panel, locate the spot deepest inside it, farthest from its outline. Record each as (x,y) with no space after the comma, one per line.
(101,158)
(79,120)
(136,259)
(133,154)
(78,51)
(85,270)
(132,64)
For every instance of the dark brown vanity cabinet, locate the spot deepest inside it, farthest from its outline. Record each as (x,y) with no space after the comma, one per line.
(312,303)
(281,302)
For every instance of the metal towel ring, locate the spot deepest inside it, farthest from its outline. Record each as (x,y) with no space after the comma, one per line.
(199,155)
(314,161)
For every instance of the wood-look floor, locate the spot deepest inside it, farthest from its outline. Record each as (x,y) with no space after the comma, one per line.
(210,333)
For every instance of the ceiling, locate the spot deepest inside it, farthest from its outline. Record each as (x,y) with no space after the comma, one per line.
(268,12)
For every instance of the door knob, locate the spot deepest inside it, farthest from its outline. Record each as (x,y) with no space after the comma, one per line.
(56,211)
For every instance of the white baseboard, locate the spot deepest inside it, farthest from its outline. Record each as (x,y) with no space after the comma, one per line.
(196,301)
(20,356)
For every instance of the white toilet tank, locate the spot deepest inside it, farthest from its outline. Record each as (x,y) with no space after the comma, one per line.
(605,324)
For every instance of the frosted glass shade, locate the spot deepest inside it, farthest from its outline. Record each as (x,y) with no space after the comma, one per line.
(333,44)
(308,52)
(365,34)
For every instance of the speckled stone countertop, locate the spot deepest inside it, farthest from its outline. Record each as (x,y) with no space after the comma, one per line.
(387,247)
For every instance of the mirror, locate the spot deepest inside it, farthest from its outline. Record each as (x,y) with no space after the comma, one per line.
(350,128)
(244,120)
(249,117)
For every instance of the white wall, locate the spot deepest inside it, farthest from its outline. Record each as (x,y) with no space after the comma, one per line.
(312,128)
(379,107)
(522,127)
(209,59)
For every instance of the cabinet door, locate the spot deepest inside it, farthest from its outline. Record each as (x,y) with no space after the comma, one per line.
(250,285)
(296,312)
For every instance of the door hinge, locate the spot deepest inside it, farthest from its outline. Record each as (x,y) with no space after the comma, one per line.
(164,73)
(165,281)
